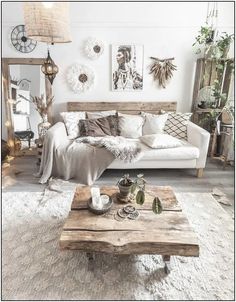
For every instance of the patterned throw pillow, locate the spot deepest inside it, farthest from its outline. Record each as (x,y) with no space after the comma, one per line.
(71,120)
(176,124)
(100,127)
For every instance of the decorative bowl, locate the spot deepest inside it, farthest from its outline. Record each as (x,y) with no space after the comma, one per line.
(105,208)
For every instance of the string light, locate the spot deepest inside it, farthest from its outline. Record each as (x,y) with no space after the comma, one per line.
(11,101)
(7,123)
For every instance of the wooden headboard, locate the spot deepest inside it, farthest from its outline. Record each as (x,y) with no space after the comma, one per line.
(124,107)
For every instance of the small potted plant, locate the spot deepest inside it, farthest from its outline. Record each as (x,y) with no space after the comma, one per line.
(125,185)
(224,44)
(137,188)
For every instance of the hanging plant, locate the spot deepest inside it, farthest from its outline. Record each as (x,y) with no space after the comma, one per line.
(93,48)
(80,78)
(162,70)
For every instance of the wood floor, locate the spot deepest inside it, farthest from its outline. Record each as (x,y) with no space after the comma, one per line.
(19,177)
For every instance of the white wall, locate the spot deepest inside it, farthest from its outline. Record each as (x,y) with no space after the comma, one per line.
(164,28)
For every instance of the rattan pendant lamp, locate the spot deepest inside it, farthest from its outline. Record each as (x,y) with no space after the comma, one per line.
(48,22)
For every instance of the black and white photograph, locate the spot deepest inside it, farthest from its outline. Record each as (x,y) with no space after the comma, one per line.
(127,67)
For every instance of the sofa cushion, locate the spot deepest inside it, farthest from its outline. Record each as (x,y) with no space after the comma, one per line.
(185,151)
(176,124)
(99,114)
(108,125)
(71,121)
(130,125)
(154,123)
(160,141)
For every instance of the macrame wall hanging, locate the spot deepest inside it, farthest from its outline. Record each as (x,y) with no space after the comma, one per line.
(162,70)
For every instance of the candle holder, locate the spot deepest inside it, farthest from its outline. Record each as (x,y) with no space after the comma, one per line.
(105,207)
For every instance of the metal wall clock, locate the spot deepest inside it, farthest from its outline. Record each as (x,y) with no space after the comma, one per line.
(20,41)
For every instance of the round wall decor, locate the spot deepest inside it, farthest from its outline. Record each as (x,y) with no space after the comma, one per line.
(80,78)
(20,41)
(93,48)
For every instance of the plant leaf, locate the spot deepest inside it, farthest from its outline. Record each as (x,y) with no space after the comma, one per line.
(156,206)
(140,197)
(133,188)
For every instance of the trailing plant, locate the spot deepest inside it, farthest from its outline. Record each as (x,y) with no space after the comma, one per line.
(209,120)
(224,42)
(204,38)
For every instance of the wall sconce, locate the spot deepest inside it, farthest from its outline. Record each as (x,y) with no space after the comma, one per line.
(49,68)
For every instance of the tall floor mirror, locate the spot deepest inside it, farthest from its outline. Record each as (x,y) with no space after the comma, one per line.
(22,79)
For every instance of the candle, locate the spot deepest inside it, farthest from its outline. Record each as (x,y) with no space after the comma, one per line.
(95,191)
(97,202)
(105,199)
(96,199)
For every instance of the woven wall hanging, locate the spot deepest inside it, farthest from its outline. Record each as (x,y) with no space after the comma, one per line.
(80,78)
(162,70)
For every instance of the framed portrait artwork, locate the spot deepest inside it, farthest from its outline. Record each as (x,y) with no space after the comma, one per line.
(127,67)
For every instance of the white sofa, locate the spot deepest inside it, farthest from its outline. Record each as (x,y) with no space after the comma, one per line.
(192,154)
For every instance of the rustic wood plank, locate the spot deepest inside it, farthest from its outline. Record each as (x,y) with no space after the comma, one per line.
(8,111)
(197,82)
(128,107)
(160,242)
(24,61)
(165,193)
(85,220)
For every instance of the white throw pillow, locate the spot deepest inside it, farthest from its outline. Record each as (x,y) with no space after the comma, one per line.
(71,120)
(98,114)
(160,141)
(130,125)
(154,123)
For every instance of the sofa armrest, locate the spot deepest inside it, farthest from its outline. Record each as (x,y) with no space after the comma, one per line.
(199,138)
(57,133)
(55,137)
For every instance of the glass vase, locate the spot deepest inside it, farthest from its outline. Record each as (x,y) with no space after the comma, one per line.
(43,126)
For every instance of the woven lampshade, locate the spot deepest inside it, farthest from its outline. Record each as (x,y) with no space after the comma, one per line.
(47,21)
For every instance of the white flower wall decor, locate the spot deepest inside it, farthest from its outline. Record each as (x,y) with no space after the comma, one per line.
(80,78)
(93,48)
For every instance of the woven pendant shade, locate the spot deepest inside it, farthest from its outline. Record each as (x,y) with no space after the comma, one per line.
(47,21)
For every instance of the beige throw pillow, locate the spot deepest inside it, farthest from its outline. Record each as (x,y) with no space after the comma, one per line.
(99,114)
(71,120)
(160,141)
(130,125)
(154,123)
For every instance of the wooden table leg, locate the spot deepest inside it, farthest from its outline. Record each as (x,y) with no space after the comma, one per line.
(166,259)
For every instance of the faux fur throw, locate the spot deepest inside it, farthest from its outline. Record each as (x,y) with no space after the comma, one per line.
(119,146)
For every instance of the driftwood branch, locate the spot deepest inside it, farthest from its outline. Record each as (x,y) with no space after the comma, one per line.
(162,70)
(162,60)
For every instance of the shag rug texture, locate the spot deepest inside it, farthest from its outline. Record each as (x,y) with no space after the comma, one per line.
(33,267)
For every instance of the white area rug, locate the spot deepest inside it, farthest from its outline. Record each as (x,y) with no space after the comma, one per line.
(35,269)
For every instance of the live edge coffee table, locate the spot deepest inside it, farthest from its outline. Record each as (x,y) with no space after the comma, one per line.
(166,234)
